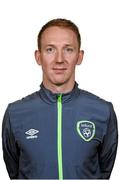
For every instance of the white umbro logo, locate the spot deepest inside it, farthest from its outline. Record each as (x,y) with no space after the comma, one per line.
(32,133)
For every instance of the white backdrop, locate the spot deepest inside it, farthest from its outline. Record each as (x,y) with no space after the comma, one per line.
(20,21)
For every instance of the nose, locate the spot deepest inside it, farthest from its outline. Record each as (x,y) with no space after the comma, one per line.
(59,57)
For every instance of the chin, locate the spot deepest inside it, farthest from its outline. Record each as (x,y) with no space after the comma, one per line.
(59,83)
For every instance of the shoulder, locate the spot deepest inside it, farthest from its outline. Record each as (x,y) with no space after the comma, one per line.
(25,102)
(94,101)
(92,97)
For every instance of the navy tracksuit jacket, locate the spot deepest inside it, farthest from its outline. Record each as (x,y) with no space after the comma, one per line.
(60,136)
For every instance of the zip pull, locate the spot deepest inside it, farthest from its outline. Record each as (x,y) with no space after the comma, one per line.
(60,98)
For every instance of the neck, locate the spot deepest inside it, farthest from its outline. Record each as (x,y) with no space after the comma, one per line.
(62,88)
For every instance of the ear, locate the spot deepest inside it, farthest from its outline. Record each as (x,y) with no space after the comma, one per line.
(38,57)
(80,57)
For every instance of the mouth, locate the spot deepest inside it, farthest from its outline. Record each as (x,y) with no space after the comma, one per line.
(59,70)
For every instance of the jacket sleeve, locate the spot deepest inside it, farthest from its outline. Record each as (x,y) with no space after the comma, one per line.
(10,148)
(108,148)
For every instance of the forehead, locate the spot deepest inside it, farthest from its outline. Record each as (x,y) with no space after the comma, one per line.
(58,34)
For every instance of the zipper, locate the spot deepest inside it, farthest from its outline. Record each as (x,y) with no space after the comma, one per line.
(59,137)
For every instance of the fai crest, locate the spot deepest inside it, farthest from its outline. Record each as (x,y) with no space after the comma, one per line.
(86,129)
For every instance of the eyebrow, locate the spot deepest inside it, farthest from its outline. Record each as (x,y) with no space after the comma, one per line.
(49,45)
(53,45)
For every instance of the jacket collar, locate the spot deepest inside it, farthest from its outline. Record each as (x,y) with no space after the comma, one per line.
(50,97)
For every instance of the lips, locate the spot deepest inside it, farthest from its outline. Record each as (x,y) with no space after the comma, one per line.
(59,70)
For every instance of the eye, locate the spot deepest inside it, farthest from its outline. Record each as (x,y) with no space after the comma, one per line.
(50,49)
(69,49)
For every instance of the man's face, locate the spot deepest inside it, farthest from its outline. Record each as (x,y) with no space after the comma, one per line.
(59,55)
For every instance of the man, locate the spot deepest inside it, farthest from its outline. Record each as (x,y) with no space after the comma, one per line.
(61,131)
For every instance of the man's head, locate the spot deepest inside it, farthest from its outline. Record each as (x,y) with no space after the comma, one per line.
(59,52)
